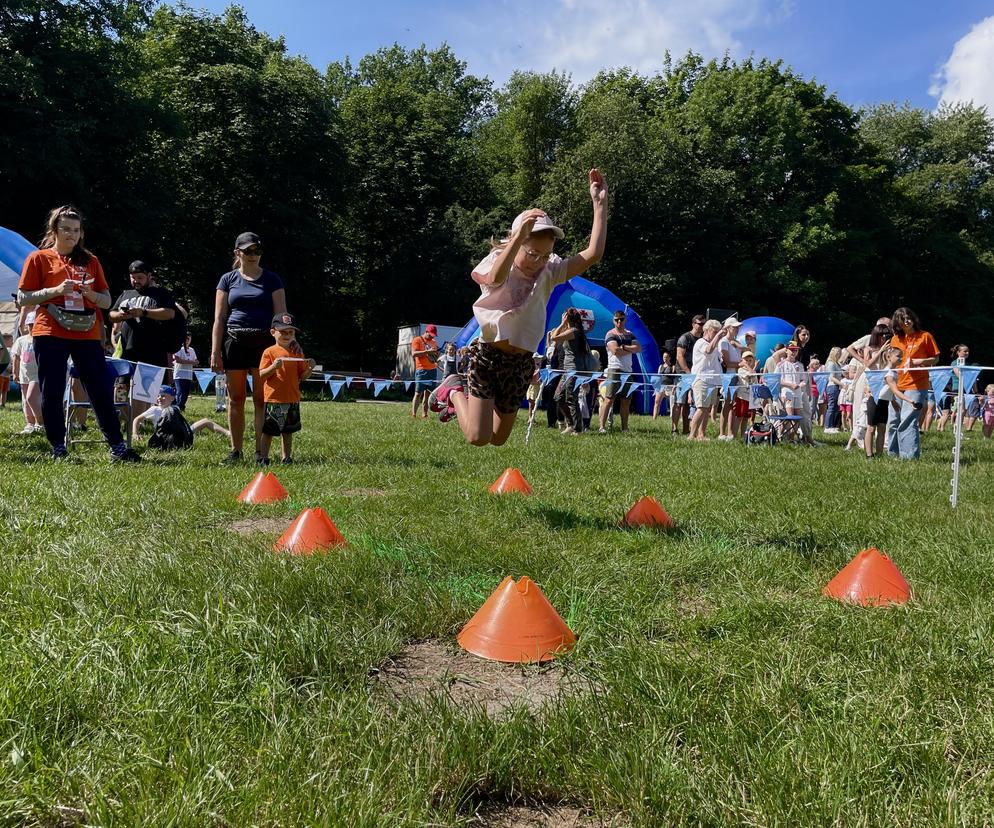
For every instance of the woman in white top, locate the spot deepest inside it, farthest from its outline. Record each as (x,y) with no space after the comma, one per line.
(731,356)
(707,370)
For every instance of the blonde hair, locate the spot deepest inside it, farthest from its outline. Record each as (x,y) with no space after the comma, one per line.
(712,325)
(835,355)
(989,389)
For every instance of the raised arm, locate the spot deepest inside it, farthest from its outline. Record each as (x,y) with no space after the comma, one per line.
(594,251)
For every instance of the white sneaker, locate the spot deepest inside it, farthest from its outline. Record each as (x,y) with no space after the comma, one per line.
(602,431)
(568,430)
(830,431)
(28,429)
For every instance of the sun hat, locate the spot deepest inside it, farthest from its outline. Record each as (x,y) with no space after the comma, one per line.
(748,353)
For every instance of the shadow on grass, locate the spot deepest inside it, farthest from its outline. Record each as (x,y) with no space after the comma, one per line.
(556,518)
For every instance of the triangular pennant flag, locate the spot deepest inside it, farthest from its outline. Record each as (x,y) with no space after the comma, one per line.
(773,383)
(940,379)
(146,382)
(686,381)
(570,374)
(875,382)
(408,384)
(633,388)
(726,382)
(336,387)
(625,378)
(968,375)
(348,381)
(821,382)
(379,386)
(204,379)
(251,385)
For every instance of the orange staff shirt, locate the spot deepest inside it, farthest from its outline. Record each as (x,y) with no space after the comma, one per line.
(47,269)
(919,345)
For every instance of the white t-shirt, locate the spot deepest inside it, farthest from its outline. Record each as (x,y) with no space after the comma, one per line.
(732,352)
(153,413)
(792,372)
(515,310)
(705,363)
(24,349)
(182,370)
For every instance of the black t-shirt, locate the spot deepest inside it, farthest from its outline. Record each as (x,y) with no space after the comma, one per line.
(145,336)
(687,341)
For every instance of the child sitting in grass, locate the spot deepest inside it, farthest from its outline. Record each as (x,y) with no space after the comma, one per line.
(170,429)
(281,372)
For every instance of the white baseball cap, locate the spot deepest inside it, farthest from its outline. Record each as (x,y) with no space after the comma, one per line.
(541,223)
(731,322)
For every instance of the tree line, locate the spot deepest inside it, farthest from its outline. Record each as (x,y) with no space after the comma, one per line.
(376,185)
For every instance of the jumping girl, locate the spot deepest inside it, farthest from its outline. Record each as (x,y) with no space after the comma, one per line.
(516,280)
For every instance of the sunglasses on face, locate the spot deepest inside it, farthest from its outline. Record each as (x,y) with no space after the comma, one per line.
(255,250)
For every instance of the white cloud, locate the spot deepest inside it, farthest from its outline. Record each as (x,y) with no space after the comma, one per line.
(968,75)
(582,37)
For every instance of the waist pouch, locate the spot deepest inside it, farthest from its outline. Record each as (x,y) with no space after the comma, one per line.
(78,321)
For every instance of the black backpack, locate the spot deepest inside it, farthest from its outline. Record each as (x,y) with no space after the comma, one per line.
(172,431)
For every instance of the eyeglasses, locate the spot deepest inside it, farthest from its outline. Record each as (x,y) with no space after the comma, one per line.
(256,250)
(535,256)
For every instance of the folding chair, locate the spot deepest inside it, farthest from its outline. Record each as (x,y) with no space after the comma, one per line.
(788,426)
(117,369)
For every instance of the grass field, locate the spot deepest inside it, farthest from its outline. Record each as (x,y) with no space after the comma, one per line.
(158,669)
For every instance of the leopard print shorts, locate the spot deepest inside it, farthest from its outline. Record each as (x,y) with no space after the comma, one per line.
(496,375)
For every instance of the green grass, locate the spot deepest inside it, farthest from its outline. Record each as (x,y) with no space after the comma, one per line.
(157,669)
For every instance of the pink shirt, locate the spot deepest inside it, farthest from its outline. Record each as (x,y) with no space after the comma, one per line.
(515,310)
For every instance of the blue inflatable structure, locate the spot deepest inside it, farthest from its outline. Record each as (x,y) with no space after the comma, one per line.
(769,331)
(599,303)
(14,250)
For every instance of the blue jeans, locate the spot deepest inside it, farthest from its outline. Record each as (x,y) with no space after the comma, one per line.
(833,416)
(904,438)
(183,392)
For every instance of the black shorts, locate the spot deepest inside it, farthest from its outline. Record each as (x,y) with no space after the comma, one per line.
(243,348)
(281,418)
(493,374)
(877,412)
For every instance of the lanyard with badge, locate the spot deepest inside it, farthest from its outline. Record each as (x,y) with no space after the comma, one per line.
(77,275)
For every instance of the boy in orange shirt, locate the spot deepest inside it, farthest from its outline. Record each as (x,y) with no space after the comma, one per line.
(281,372)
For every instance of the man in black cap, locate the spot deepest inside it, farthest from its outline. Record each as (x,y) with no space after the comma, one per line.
(143,318)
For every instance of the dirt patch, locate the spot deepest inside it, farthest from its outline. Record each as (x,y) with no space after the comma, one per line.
(544,816)
(364,492)
(431,667)
(264,525)
(694,606)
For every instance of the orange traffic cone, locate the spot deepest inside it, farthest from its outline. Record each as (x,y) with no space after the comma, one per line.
(648,512)
(869,579)
(311,531)
(263,488)
(517,623)
(511,480)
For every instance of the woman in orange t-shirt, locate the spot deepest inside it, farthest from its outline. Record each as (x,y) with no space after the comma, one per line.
(66,283)
(919,351)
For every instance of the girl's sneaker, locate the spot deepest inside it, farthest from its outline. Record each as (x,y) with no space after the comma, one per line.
(448,414)
(438,399)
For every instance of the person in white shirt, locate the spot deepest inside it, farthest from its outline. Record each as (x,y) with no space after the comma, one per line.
(791,380)
(25,370)
(184,361)
(621,345)
(731,355)
(706,369)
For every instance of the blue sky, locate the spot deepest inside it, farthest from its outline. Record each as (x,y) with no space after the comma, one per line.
(866,51)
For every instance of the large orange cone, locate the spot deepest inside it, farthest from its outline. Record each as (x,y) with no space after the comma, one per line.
(869,579)
(311,531)
(647,512)
(517,623)
(511,480)
(263,488)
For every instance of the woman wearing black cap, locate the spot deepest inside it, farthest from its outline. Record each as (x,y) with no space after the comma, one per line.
(246,300)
